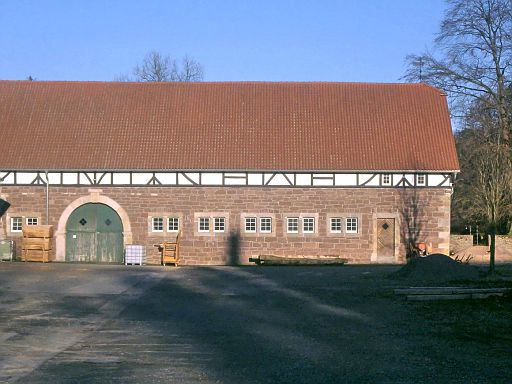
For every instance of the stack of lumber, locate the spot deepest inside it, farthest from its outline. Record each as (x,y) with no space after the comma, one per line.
(448,293)
(37,243)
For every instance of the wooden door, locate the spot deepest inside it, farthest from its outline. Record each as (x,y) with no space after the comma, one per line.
(94,234)
(386,237)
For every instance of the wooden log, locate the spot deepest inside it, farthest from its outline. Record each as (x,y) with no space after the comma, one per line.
(446,290)
(438,297)
(456,296)
(281,260)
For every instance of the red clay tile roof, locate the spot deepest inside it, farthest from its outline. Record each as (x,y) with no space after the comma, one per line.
(224,126)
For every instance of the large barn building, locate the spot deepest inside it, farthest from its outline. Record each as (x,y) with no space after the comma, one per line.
(287,169)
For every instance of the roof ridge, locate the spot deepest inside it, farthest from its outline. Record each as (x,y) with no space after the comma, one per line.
(236,82)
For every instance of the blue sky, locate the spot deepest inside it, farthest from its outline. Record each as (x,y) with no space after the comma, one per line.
(279,40)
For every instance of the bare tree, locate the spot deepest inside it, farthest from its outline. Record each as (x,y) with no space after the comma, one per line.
(158,68)
(154,67)
(483,193)
(475,42)
(190,70)
(491,188)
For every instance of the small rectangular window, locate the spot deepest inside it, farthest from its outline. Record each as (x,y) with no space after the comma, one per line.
(32,221)
(335,224)
(157,224)
(219,224)
(308,225)
(266,225)
(421,179)
(204,224)
(292,225)
(173,224)
(250,224)
(16,224)
(386,179)
(351,225)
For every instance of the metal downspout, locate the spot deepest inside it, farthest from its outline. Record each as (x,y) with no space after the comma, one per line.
(47,195)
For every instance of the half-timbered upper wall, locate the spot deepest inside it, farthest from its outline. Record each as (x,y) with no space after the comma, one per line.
(273,179)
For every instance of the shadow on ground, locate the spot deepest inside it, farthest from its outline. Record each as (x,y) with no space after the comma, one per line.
(265,325)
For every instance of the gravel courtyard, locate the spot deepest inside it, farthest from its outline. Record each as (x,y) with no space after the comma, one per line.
(63,323)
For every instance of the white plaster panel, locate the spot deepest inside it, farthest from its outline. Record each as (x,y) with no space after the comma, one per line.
(279,180)
(211,178)
(141,178)
(85,180)
(435,180)
(375,182)
(303,179)
(106,178)
(54,178)
(410,178)
(345,179)
(8,179)
(25,177)
(69,178)
(182,180)
(121,178)
(234,174)
(194,176)
(363,178)
(254,179)
(234,178)
(232,181)
(166,178)
(322,182)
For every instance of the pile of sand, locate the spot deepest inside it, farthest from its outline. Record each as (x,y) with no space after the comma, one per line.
(436,268)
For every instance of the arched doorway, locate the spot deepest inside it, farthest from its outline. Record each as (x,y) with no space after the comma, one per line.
(94,234)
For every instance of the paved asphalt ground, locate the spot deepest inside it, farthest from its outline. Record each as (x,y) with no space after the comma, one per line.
(62,323)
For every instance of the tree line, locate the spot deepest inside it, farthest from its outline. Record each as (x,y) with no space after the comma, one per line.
(471,62)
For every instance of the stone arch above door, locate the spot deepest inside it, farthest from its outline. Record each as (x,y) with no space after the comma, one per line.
(93,197)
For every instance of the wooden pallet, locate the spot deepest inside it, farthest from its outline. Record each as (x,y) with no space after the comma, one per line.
(35,255)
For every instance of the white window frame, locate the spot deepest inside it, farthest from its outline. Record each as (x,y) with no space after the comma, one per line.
(423,181)
(292,222)
(349,221)
(264,220)
(305,221)
(19,224)
(201,221)
(253,222)
(32,220)
(384,181)
(155,220)
(219,222)
(175,220)
(331,222)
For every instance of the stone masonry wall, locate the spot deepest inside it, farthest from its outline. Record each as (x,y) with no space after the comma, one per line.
(141,203)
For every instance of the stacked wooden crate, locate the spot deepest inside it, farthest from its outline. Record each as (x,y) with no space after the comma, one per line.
(37,243)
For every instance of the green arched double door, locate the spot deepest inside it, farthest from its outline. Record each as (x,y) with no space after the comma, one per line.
(94,234)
